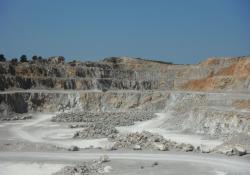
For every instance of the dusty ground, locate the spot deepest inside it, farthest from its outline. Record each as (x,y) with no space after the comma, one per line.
(41,147)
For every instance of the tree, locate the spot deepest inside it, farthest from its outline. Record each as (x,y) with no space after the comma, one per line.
(14,60)
(23,58)
(2,58)
(34,58)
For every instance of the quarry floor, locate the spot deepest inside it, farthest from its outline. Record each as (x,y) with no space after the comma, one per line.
(21,153)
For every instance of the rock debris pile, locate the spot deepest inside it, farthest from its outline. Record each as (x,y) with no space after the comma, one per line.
(86,168)
(102,125)
(147,140)
(112,118)
(96,130)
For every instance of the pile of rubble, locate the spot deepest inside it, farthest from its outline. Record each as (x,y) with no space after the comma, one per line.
(101,124)
(232,150)
(147,140)
(112,118)
(97,130)
(86,168)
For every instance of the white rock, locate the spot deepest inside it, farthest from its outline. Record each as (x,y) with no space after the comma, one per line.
(104,158)
(205,149)
(107,169)
(137,147)
(239,150)
(110,147)
(188,148)
(161,147)
(226,150)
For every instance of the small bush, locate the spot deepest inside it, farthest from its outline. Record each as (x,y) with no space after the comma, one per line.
(2,58)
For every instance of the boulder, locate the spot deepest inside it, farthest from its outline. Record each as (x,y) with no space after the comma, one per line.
(73,148)
(137,147)
(161,147)
(110,147)
(239,150)
(155,164)
(104,158)
(205,149)
(26,117)
(107,169)
(188,148)
(227,150)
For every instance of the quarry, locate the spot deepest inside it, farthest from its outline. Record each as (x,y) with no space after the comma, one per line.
(123,115)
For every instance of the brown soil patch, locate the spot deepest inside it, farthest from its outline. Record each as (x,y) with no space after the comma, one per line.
(223,78)
(242,104)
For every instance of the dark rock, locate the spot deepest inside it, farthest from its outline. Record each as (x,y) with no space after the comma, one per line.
(73,148)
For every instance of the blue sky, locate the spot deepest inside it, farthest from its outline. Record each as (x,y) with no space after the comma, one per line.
(181,31)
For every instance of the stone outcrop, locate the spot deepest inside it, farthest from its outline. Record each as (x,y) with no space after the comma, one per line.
(123,73)
(211,114)
(120,85)
(53,101)
(234,75)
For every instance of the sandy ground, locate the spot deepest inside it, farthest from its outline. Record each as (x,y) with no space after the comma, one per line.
(27,168)
(41,130)
(132,163)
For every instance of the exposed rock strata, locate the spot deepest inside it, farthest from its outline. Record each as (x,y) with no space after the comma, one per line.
(234,75)
(46,101)
(120,85)
(123,73)
(207,113)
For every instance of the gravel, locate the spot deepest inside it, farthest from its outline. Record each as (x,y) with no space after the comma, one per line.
(86,168)
(144,140)
(101,124)
(97,130)
(112,118)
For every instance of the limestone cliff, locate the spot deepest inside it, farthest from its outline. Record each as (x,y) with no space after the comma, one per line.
(210,99)
(122,73)
(234,75)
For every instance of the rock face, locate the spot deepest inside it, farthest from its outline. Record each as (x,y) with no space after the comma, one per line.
(116,83)
(212,114)
(233,75)
(109,74)
(117,86)
(53,101)
(123,73)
